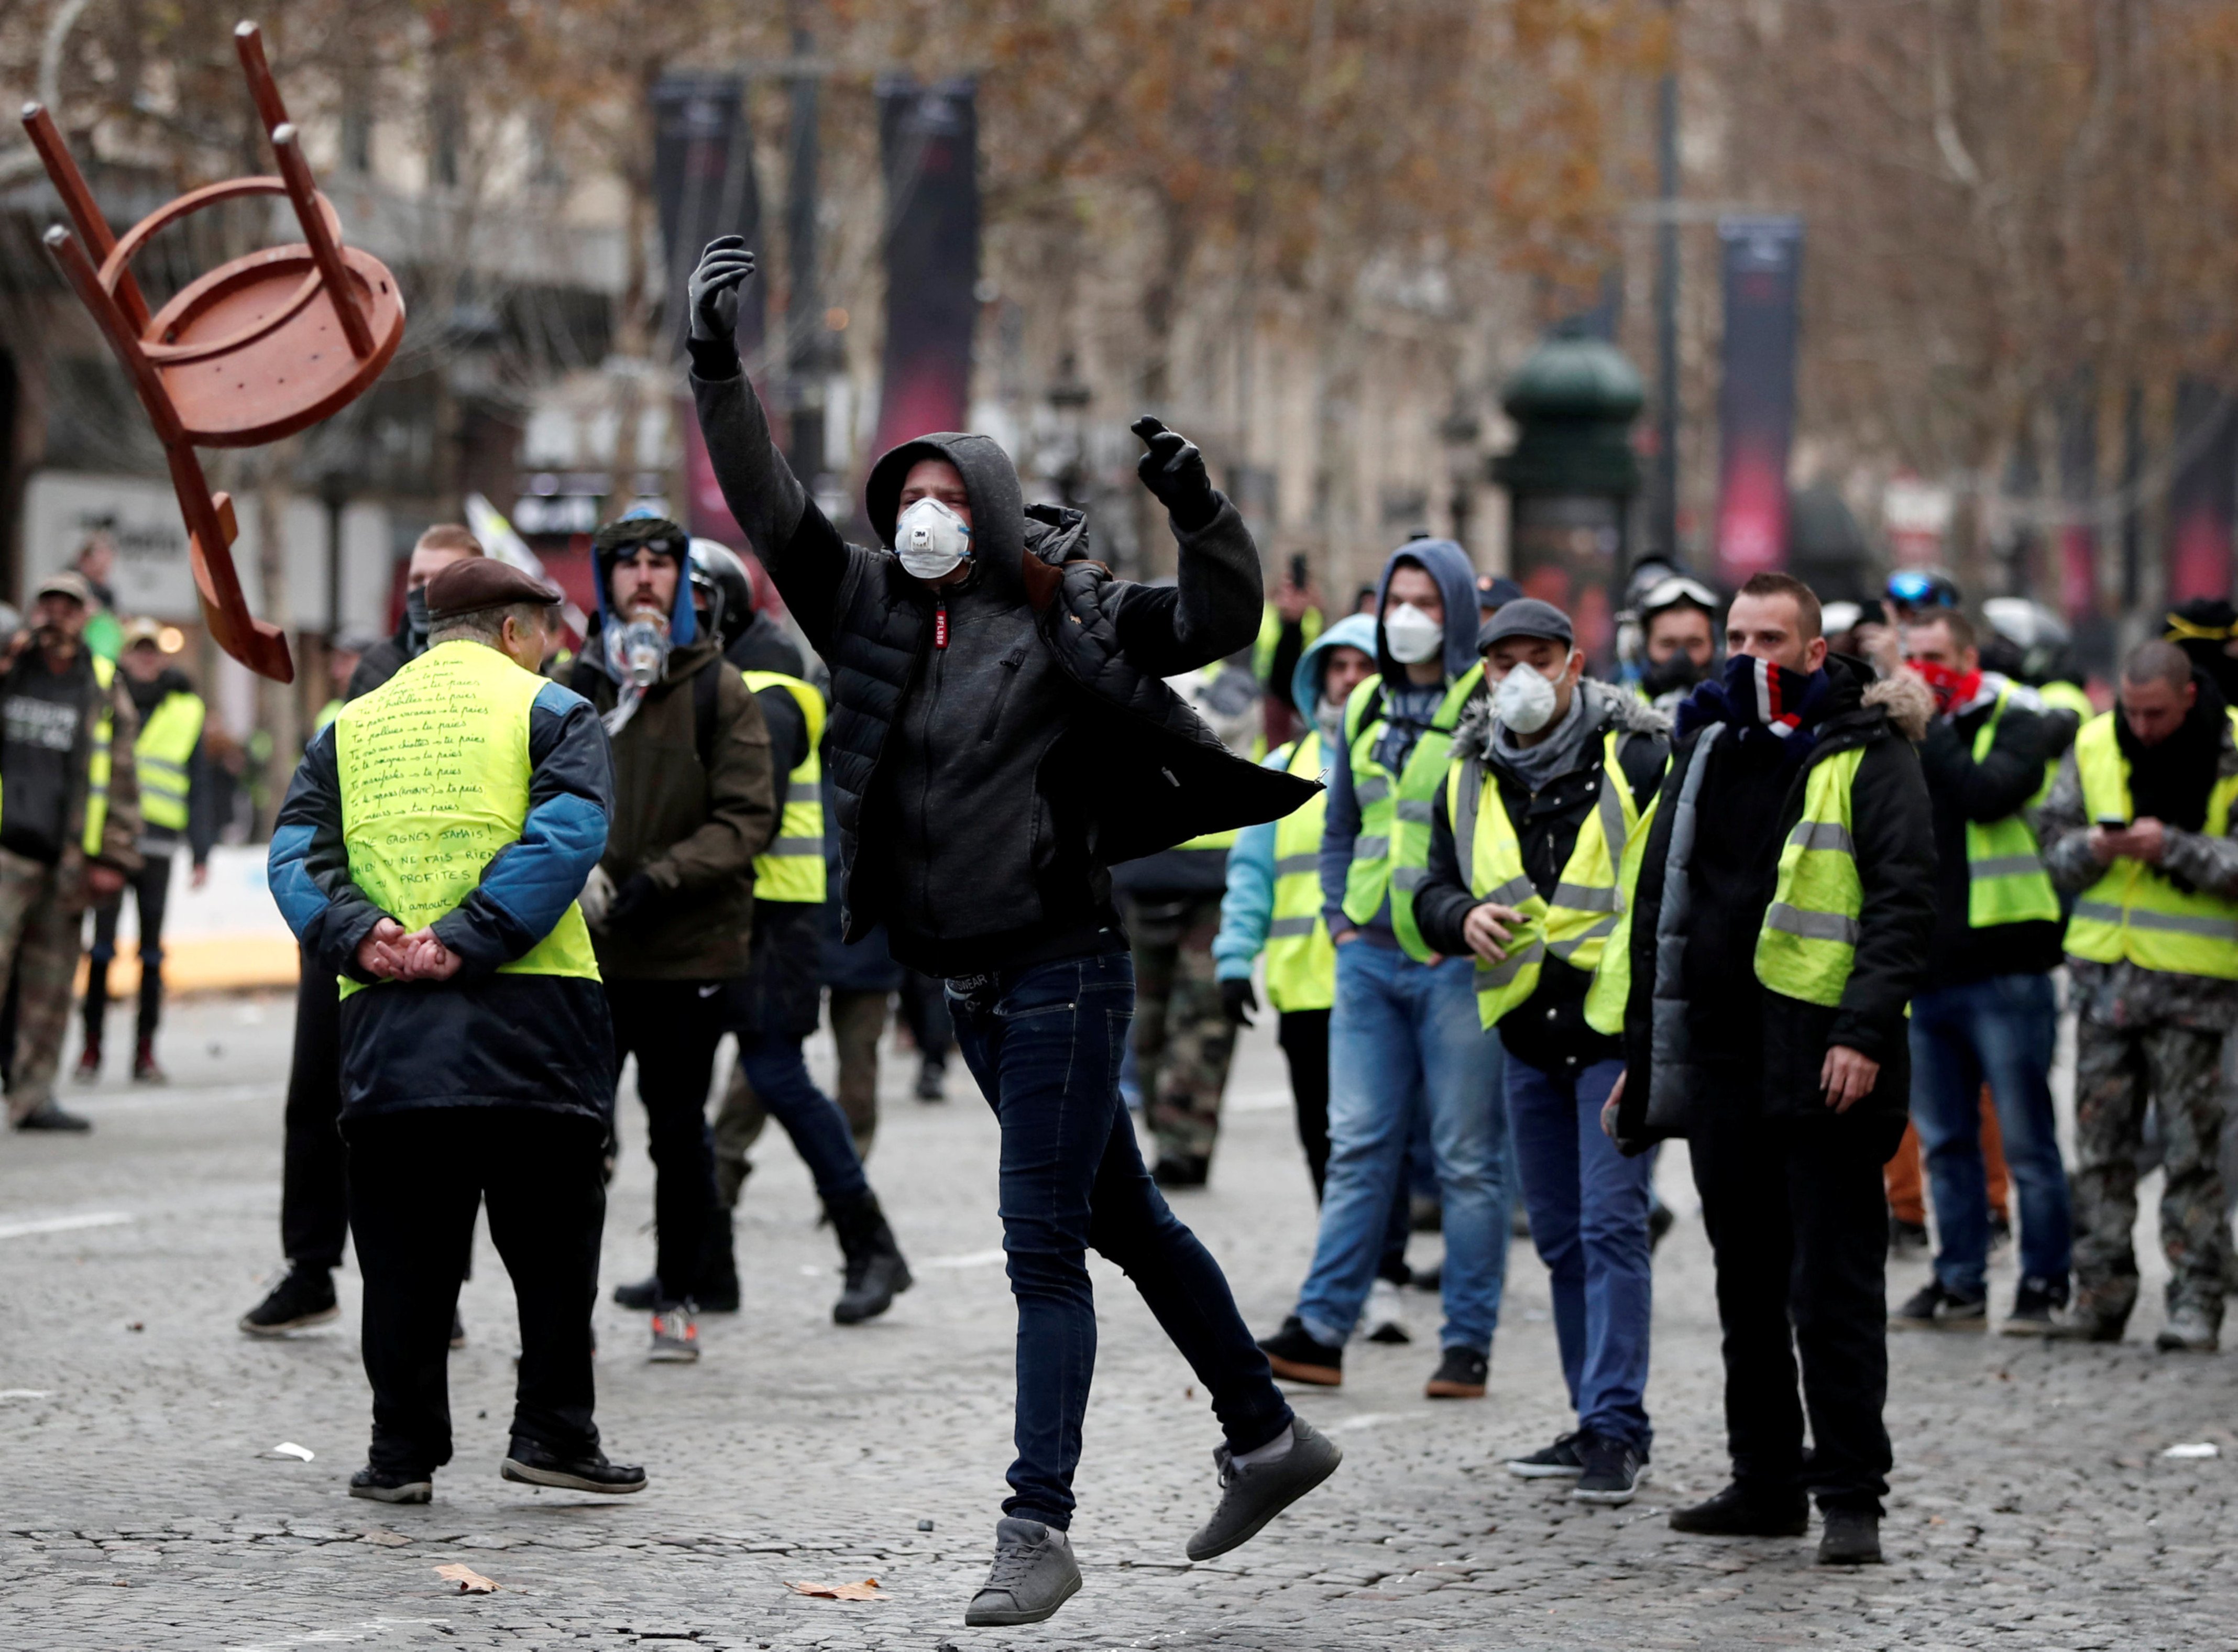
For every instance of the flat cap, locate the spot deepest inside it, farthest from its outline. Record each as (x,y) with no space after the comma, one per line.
(475,582)
(67,583)
(1526,616)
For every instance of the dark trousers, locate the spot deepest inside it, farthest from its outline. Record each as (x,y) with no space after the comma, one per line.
(925,1012)
(415,1179)
(672,1028)
(779,1075)
(314,1202)
(1798,1226)
(1044,1043)
(1304,1036)
(151,887)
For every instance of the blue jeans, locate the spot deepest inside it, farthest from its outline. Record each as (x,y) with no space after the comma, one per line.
(2001,1030)
(1401,1029)
(1045,1042)
(1588,1207)
(779,1074)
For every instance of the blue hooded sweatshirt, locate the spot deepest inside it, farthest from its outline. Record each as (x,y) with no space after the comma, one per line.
(1408,711)
(1249,906)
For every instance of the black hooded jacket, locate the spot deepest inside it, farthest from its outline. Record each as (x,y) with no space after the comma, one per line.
(981,790)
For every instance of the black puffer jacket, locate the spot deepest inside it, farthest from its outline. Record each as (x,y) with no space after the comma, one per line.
(983,789)
(1667,1088)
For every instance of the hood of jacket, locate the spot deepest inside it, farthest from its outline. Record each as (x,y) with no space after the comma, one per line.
(999,531)
(683,619)
(1448,564)
(1908,701)
(1354,630)
(1607,707)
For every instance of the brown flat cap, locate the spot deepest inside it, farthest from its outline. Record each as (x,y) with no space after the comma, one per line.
(475,582)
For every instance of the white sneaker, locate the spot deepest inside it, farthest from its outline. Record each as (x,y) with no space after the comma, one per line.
(1384,1320)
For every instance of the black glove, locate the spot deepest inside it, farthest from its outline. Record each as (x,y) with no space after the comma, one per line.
(636,904)
(713,289)
(1174,471)
(1237,999)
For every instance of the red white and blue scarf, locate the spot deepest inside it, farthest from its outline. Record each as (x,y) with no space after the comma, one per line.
(1759,699)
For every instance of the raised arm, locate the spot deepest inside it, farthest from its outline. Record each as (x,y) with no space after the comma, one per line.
(1213,610)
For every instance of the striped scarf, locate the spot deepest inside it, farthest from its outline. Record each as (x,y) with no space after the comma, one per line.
(1760,701)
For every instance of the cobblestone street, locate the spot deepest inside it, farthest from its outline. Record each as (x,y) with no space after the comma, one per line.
(144,1506)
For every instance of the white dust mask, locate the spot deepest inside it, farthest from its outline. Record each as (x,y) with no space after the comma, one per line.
(1524,702)
(1411,636)
(931,538)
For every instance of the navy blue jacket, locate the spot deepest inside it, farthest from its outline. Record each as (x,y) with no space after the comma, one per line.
(479,1039)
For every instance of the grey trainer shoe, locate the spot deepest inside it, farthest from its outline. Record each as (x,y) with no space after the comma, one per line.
(2188,1331)
(1250,1497)
(1033,1574)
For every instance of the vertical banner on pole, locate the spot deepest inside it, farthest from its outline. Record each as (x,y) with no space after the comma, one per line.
(2204,494)
(1756,402)
(929,140)
(703,184)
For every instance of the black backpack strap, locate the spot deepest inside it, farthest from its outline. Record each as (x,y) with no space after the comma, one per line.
(705,682)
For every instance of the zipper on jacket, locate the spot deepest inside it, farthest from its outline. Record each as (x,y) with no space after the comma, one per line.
(1011,663)
(939,620)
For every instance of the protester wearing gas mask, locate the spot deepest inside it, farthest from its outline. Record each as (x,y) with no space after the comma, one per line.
(1405,1022)
(313,1209)
(1001,735)
(1551,774)
(671,904)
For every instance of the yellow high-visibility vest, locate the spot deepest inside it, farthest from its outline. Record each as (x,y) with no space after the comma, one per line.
(1300,961)
(2134,911)
(1576,924)
(2005,878)
(434,770)
(1809,941)
(1392,853)
(160,757)
(791,868)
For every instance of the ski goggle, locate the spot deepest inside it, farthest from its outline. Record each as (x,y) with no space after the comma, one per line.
(1917,588)
(1669,593)
(2180,629)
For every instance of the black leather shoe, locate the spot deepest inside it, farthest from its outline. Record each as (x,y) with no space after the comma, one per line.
(1735,1512)
(1852,1538)
(390,1485)
(1180,1171)
(1297,1358)
(644,1295)
(532,1465)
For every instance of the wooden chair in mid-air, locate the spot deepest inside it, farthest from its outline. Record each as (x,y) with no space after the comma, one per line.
(252,352)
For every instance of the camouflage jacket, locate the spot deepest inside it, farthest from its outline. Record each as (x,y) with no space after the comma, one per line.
(2122,995)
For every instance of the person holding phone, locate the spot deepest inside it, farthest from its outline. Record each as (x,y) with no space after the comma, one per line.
(2139,824)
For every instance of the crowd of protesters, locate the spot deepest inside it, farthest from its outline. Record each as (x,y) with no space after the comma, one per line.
(1807,886)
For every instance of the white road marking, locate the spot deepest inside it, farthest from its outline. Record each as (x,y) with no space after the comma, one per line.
(64,1224)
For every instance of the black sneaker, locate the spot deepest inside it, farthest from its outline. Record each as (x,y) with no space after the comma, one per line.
(305,1296)
(532,1465)
(1852,1537)
(390,1485)
(932,1081)
(2033,1307)
(1613,1470)
(1934,1308)
(51,1117)
(1660,1221)
(1736,1512)
(1559,1461)
(1297,1358)
(1906,1238)
(1459,1375)
(644,1295)
(1180,1171)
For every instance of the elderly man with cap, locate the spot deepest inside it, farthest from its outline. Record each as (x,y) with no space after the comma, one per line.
(175,794)
(429,854)
(1551,775)
(70,822)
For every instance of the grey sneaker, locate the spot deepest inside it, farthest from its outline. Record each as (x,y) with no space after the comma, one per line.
(1932,1307)
(1250,1497)
(1033,1574)
(2188,1331)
